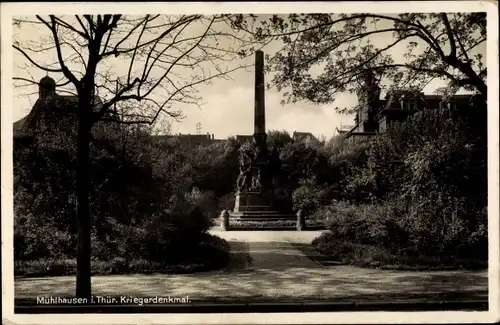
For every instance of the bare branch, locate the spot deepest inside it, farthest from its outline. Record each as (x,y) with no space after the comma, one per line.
(67,73)
(160,47)
(146,74)
(116,51)
(87,34)
(68,26)
(33,62)
(136,48)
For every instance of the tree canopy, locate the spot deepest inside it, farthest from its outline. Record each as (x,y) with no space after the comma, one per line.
(324,54)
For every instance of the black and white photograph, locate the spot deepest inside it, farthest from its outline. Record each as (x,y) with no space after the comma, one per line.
(256,162)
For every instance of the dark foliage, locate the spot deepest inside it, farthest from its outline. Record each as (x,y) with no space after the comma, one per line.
(144,202)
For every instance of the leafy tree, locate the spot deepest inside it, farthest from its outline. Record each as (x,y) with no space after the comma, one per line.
(324,54)
(143,209)
(154,49)
(278,139)
(216,167)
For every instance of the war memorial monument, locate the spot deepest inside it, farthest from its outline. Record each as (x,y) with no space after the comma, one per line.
(260,191)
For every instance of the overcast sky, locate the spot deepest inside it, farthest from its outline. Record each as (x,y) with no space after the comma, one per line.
(228,104)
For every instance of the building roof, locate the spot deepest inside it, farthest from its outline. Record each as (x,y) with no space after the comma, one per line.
(60,105)
(343,129)
(244,138)
(302,135)
(392,104)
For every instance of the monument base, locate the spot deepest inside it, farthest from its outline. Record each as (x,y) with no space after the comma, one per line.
(255,206)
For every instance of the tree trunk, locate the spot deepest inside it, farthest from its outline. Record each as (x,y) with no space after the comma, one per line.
(83,251)
(467,69)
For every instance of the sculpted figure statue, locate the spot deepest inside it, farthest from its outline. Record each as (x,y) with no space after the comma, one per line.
(245,181)
(275,166)
(256,181)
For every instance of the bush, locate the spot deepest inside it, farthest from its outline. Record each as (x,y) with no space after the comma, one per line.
(212,252)
(378,257)
(363,224)
(385,234)
(45,267)
(144,204)
(417,192)
(306,198)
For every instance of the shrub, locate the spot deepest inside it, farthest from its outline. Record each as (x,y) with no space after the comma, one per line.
(387,232)
(45,267)
(417,192)
(144,204)
(364,224)
(306,198)
(379,257)
(212,252)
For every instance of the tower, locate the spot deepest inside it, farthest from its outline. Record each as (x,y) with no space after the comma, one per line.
(46,87)
(369,99)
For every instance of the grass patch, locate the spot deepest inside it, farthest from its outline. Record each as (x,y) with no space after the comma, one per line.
(332,249)
(213,253)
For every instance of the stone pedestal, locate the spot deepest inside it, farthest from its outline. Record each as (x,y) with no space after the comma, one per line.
(256,206)
(301,223)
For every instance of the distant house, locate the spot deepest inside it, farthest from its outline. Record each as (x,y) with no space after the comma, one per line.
(193,140)
(301,136)
(375,115)
(343,129)
(244,138)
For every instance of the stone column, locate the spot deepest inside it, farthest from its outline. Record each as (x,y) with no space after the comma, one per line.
(259,135)
(260,110)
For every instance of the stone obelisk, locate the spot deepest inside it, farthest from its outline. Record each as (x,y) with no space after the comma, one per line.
(259,135)
(260,104)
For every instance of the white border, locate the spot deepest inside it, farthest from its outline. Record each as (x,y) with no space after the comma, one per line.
(11,9)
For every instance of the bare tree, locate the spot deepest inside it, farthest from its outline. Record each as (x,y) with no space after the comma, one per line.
(148,65)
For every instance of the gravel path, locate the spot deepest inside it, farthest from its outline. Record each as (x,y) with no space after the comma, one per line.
(267,266)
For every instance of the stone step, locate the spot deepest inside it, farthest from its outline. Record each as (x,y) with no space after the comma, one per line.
(256,212)
(246,208)
(262,219)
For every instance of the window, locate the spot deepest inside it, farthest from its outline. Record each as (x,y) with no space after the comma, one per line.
(383,125)
(413,105)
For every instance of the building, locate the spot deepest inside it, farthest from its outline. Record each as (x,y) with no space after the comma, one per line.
(343,129)
(193,140)
(51,111)
(375,114)
(302,136)
(244,138)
